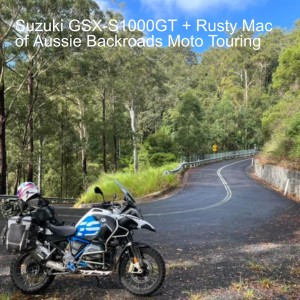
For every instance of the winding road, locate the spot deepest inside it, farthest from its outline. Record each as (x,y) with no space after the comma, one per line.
(209,232)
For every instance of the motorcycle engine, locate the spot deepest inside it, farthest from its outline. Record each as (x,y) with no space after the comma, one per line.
(93,252)
(41,252)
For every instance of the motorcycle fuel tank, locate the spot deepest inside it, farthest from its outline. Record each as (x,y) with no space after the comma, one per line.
(95,226)
(88,228)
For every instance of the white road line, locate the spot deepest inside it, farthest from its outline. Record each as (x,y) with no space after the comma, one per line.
(5,271)
(226,199)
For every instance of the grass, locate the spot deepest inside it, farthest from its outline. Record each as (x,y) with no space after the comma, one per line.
(256,267)
(249,294)
(139,184)
(265,282)
(281,124)
(179,264)
(195,295)
(4,296)
(239,286)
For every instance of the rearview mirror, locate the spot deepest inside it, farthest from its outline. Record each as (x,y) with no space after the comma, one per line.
(98,191)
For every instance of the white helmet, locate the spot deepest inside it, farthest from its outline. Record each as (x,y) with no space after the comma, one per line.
(27,190)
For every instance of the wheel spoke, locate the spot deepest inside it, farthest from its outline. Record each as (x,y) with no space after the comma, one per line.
(30,272)
(151,277)
(148,278)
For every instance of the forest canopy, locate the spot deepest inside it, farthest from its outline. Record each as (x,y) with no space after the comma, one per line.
(69,114)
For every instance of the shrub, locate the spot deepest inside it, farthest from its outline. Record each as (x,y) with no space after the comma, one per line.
(159,159)
(139,184)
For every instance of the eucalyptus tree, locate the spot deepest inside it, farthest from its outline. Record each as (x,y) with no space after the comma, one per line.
(8,14)
(187,117)
(137,77)
(35,59)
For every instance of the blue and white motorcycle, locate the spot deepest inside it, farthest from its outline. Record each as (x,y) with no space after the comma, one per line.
(100,243)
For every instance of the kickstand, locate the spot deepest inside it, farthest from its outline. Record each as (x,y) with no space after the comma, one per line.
(98,280)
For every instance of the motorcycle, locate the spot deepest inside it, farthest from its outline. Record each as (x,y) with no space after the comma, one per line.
(100,243)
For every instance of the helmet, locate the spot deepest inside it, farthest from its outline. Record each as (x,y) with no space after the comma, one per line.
(27,190)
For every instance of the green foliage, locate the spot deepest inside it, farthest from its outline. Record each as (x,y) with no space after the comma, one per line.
(86,111)
(281,125)
(160,141)
(288,73)
(5,296)
(187,118)
(159,158)
(139,184)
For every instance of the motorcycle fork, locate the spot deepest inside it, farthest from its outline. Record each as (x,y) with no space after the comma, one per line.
(136,264)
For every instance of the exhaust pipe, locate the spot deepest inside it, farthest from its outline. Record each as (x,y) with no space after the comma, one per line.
(55,266)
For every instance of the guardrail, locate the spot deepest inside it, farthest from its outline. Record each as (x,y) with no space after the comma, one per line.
(52,200)
(210,158)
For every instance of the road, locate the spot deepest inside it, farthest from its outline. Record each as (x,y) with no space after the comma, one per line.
(221,229)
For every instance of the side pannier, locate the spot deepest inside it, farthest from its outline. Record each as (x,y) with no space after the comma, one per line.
(20,234)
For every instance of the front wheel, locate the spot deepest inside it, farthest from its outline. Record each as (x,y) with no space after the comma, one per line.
(150,280)
(28,275)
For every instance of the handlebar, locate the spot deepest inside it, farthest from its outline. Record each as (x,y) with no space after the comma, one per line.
(106,205)
(126,208)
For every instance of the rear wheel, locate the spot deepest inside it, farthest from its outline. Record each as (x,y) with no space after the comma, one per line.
(150,280)
(28,275)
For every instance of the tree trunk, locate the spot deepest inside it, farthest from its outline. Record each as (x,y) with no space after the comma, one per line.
(83,141)
(18,176)
(104,131)
(30,124)
(66,194)
(246,96)
(3,163)
(134,138)
(115,138)
(3,166)
(62,159)
(40,167)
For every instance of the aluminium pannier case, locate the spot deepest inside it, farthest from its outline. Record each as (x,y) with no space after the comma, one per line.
(18,233)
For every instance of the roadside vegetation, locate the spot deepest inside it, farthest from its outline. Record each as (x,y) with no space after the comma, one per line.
(281,125)
(139,184)
(281,122)
(5,296)
(68,115)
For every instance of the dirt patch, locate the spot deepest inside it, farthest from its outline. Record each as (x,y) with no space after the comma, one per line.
(252,271)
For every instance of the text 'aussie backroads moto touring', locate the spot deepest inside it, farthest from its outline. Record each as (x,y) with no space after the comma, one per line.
(101,242)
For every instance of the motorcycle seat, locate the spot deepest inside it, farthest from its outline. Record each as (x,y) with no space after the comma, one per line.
(65,231)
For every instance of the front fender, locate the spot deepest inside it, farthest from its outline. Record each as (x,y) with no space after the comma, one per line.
(148,226)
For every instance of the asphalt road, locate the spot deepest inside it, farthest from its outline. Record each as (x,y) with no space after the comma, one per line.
(208,233)
(197,214)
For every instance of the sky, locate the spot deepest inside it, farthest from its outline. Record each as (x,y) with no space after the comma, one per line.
(281,13)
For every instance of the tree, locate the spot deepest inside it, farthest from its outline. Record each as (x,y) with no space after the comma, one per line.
(8,15)
(288,72)
(136,78)
(187,122)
